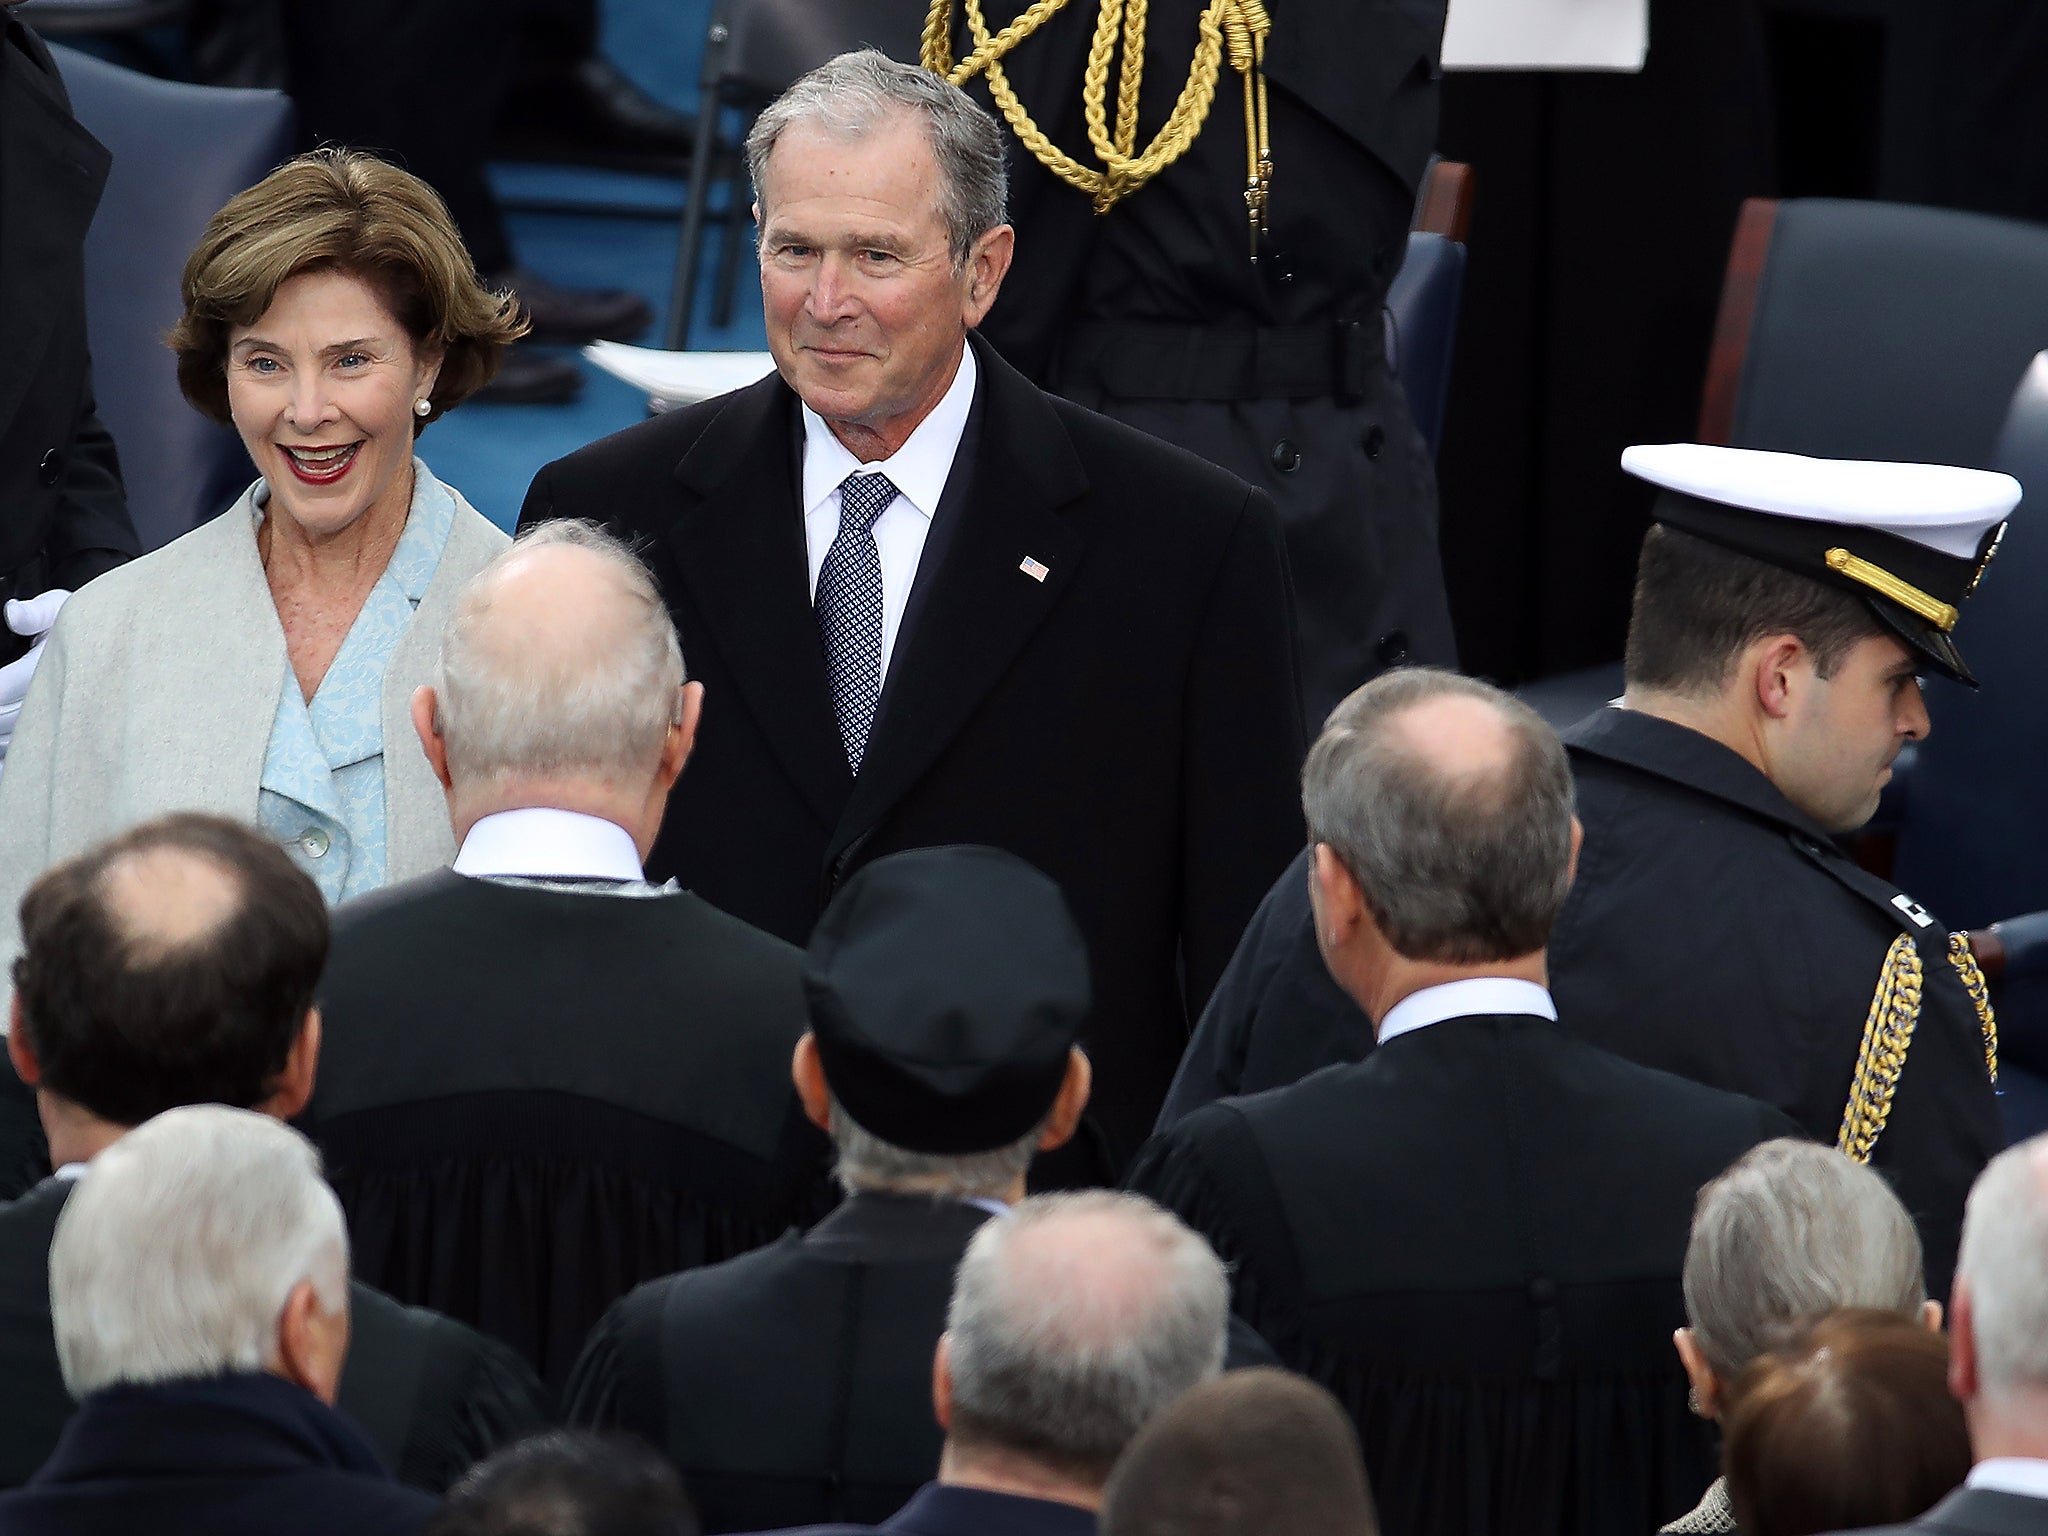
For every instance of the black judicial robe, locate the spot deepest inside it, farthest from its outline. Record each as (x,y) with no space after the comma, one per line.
(1713,931)
(1474,1238)
(1155,312)
(433,1396)
(793,1385)
(533,1099)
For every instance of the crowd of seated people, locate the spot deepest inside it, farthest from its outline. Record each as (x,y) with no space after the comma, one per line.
(488,1078)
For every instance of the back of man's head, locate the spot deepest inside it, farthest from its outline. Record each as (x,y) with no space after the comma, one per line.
(1253,1453)
(569,1483)
(1450,803)
(559,663)
(1074,1320)
(178,1253)
(2003,1268)
(174,964)
(1699,605)
(1794,1229)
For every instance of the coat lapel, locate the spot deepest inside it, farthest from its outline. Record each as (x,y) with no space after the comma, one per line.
(739,546)
(983,604)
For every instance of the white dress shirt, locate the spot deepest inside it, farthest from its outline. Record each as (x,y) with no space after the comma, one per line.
(537,842)
(1462,999)
(2026,1476)
(918,470)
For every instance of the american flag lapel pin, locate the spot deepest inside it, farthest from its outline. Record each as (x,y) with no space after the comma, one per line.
(1037,570)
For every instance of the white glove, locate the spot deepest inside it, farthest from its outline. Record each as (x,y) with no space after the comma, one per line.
(31,618)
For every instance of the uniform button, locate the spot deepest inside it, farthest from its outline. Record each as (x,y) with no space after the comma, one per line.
(51,467)
(1286,457)
(1375,440)
(314,841)
(1393,648)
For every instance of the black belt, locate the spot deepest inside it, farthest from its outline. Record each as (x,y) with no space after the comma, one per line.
(1146,360)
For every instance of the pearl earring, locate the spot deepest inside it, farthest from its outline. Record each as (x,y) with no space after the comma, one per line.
(422,406)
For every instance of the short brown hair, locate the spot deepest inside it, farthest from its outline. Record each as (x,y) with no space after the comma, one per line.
(1846,1425)
(340,210)
(1699,604)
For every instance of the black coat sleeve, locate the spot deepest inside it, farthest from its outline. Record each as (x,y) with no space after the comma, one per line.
(477,1396)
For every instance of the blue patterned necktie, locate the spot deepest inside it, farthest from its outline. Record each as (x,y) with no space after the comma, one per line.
(849,605)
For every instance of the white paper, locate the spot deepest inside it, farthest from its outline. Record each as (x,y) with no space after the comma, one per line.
(680,378)
(1547,34)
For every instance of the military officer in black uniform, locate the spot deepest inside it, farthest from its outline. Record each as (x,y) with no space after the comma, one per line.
(1716,929)
(1260,349)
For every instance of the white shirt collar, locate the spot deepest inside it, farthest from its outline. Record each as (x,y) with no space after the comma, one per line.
(2023,1475)
(70,1173)
(1463,999)
(553,844)
(918,469)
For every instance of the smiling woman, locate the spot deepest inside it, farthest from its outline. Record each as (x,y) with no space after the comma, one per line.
(260,665)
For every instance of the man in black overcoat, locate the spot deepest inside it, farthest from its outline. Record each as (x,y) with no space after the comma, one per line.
(1716,929)
(110,1033)
(1474,1237)
(1157,313)
(931,604)
(546,1079)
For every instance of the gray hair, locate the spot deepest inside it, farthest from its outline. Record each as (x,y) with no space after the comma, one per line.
(1458,863)
(1792,1230)
(510,705)
(864,1163)
(175,1255)
(1075,1319)
(2004,1263)
(852,95)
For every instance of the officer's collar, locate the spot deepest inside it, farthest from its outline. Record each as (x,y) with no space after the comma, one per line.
(1689,757)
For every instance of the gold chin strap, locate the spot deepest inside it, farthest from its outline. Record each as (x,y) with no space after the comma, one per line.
(1888,1033)
(1238,26)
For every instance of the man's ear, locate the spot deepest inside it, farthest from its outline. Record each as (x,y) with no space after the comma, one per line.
(295,1084)
(312,1344)
(1779,667)
(19,1051)
(1930,1316)
(682,736)
(1339,903)
(987,264)
(942,1383)
(1578,842)
(808,1073)
(1065,1118)
(1706,1386)
(1963,1378)
(426,724)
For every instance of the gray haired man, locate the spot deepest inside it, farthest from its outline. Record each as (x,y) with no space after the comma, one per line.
(1474,1237)
(541,1027)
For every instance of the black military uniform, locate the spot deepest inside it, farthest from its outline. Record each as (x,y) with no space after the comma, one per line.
(433,1396)
(1155,314)
(63,515)
(1474,1239)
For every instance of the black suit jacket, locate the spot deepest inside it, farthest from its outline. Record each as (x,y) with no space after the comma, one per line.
(1976,1512)
(1474,1237)
(255,1455)
(433,1396)
(532,1099)
(1713,931)
(941,1509)
(1127,724)
(63,516)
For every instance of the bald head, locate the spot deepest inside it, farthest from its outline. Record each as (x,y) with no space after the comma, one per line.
(173,965)
(1450,804)
(1248,1454)
(559,663)
(1073,1321)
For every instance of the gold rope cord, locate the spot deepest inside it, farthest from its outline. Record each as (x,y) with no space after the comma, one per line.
(1964,959)
(1238,27)
(1887,1032)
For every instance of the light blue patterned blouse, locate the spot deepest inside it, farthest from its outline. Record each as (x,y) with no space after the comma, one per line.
(322,791)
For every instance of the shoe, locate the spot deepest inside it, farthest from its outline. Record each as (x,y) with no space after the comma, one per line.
(591,113)
(574,316)
(527,377)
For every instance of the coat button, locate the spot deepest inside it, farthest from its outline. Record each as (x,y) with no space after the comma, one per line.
(1286,457)
(1375,440)
(314,841)
(51,467)
(1393,648)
